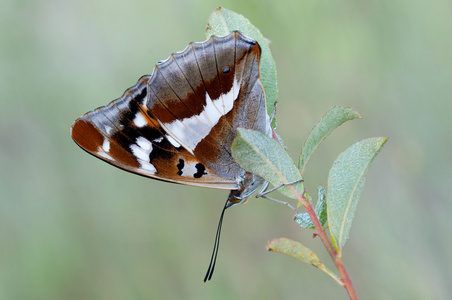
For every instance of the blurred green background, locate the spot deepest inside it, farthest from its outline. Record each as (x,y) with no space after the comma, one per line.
(74,227)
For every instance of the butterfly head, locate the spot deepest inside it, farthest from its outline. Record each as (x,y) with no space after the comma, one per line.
(248,185)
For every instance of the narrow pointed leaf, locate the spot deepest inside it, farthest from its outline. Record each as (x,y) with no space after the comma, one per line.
(263,156)
(345,183)
(299,251)
(320,207)
(222,21)
(330,121)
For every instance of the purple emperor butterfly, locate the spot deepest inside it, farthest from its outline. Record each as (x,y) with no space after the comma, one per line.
(178,124)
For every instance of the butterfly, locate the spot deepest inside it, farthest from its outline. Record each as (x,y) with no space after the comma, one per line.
(178,124)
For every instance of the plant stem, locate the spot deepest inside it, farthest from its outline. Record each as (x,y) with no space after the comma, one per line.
(337,259)
(345,278)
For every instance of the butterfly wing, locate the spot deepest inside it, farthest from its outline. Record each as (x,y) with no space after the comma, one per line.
(124,135)
(178,124)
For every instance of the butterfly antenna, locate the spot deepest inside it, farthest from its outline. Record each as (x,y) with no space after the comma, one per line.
(216,245)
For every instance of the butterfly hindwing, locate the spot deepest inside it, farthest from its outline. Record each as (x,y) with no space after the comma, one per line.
(178,124)
(124,135)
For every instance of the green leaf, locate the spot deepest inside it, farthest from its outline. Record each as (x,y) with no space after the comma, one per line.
(222,21)
(299,251)
(330,121)
(304,220)
(345,183)
(320,207)
(263,156)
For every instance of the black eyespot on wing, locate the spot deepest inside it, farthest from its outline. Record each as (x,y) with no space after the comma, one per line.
(180,166)
(201,170)
(226,70)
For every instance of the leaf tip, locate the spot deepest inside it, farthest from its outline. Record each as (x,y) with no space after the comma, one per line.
(269,245)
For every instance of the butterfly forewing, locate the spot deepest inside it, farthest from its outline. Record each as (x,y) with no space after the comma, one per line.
(178,124)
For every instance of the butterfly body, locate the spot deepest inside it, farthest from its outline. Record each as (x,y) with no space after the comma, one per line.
(178,124)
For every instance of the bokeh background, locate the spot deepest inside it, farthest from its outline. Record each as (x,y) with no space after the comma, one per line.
(74,227)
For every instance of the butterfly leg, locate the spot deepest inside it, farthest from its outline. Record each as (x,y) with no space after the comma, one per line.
(263,193)
(281,202)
